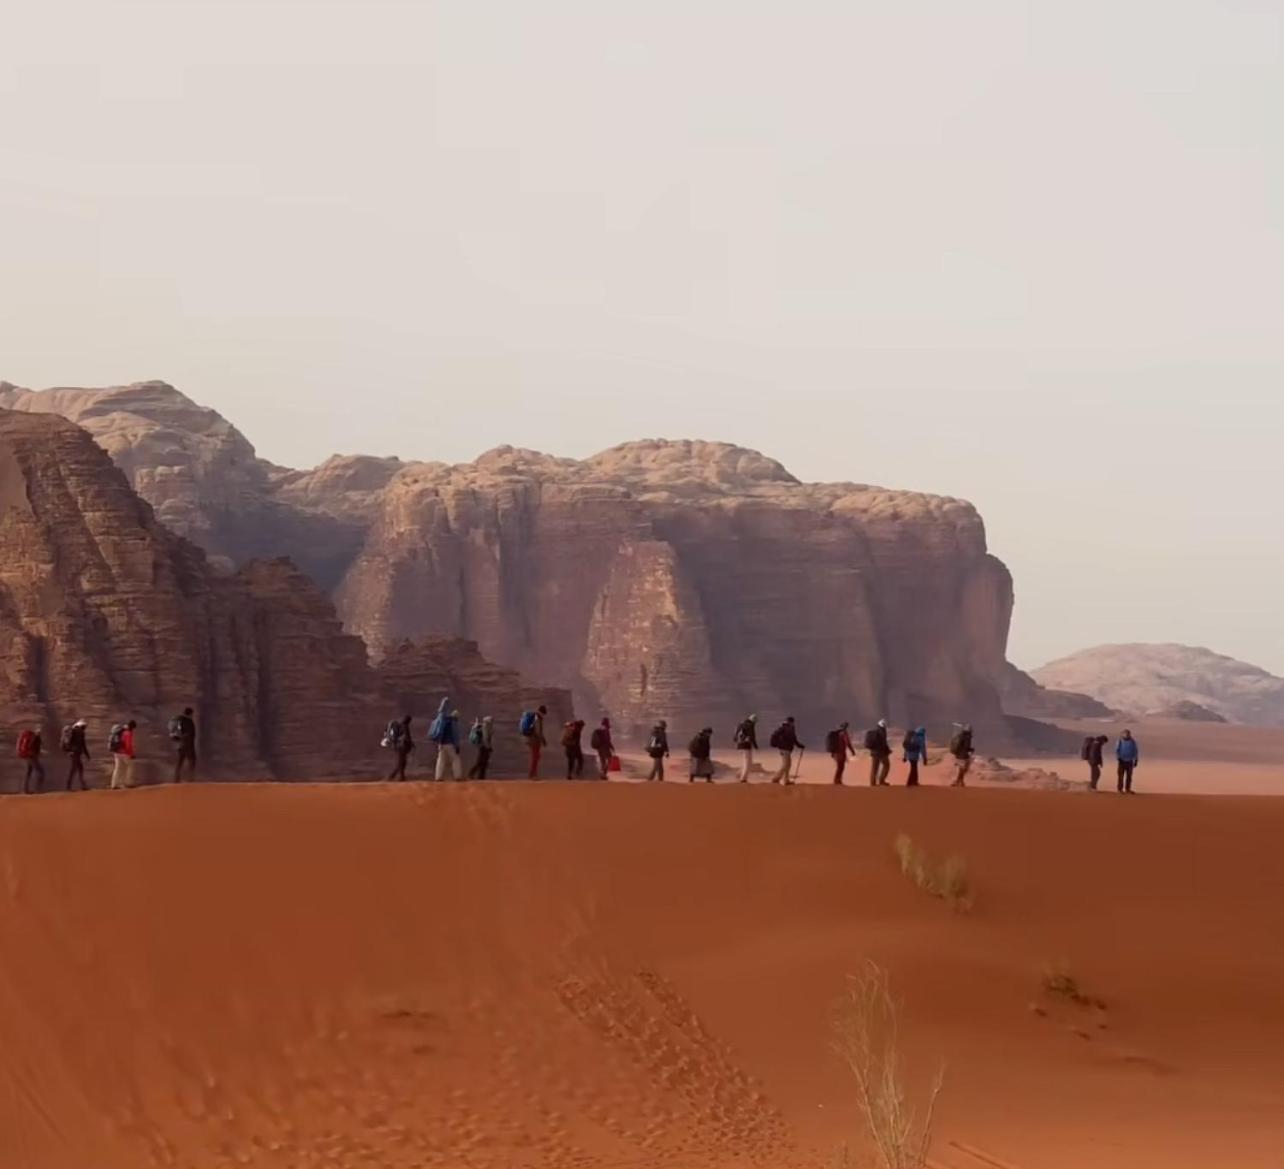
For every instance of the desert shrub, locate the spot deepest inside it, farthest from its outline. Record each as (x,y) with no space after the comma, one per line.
(949,882)
(867,1038)
(1061,983)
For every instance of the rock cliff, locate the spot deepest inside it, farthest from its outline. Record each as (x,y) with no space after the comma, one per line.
(1143,678)
(654,579)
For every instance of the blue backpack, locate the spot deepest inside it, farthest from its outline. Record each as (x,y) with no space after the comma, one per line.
(526,727)
(437,732)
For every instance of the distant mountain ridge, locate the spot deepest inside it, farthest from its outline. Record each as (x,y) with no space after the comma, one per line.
(1145,678)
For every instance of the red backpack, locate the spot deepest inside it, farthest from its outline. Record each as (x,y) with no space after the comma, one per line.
(26,744)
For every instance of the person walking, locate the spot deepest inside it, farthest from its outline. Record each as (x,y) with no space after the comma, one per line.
(182,733)
(1128,755)
(746,740)
(962,750)
(122,747)
(572,742)
(482,736)
(600,741)
(532,730)
(785,740)
(880,754)
(915,746)
(78,750)
(402,743)
(445,733)
(701,751)
(1094,753)
(30,745)
(839,745)
(657,746)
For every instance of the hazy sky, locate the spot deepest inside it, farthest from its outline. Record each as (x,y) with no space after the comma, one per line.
(1029,254)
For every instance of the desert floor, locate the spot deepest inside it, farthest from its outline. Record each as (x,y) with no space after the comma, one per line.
(590,976)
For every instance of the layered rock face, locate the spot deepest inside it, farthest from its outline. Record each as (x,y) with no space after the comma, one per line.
(656,579)
(1144,679)
(1022,695)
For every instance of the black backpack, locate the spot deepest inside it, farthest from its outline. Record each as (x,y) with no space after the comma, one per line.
(744,735)
(911,741)
(1085,752)
(871,739)
(961,744)
(777,739)
(597,740)
(834,742)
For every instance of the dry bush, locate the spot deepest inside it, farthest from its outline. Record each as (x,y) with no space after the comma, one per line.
(867,1038)
(950,882)
(1061,983)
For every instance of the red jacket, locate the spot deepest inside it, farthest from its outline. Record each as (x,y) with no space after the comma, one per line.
(127,743)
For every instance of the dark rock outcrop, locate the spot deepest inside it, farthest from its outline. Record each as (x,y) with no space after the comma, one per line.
(1022,695)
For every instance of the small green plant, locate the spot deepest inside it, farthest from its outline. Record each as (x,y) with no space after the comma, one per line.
(867,1038)
(949,882)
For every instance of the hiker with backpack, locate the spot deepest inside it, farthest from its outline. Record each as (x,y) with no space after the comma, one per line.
(73,744)
(30,744)
(182,733)
(657,746)
(838,745)
(600,741)
(445,733)
(961,749)
(572,734)
(915,747)
(481,736)
(747,743)
(531,728)
(397,738)
(1128,755)
(785,740)
(880,754)
(121,746)
(701,751)
(1093,754)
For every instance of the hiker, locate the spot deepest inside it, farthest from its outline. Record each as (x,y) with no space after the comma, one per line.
(482,736)
(747,744)
(657,746)
(445,733)
(30,745)
(600,741)
(531,728)
(785,740)
(880,754)
(839,745)
(74,744)
(571,741)
(1129,755)
(397,738)
(1092,754)
(121,746)
(182,733)
(961,749)
(915,746)
(700,750)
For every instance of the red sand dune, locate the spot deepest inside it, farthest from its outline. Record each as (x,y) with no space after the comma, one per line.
(496,976)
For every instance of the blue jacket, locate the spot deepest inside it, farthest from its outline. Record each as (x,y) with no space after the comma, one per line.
(445,727)
(918,752)
(1127,751)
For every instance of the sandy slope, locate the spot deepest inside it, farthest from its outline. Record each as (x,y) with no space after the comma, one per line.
(590,976)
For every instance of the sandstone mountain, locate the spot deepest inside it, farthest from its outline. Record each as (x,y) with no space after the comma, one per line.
(1022,695)
(1144,679)
(652,579)
(106,614)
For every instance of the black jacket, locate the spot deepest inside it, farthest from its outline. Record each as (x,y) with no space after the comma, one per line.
(747,735)
(878,744)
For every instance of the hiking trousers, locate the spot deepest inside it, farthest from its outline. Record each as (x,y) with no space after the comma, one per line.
(77,771)
(447,761)
(35,769)
(1094,774)
(604,763)
(785,774)
(122,771)
(478,769)
(879,766)
(746,754)
(657,769)
(911,780)
(399,768)
(840,765)
(1125,775)
(574,763)
(185,755)
(535,747)
(962,766)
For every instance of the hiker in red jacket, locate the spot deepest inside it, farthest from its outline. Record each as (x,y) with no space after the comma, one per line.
(839,744)
(29,748)
(535,741)
(601,742)
(122,755)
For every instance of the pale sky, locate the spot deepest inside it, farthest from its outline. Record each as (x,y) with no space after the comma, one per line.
(1030,254)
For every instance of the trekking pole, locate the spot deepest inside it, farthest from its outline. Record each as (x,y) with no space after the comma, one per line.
(801,752)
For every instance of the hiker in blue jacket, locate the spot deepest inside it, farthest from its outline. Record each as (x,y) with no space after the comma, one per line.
(445,733)
(1129,755)
(915,753)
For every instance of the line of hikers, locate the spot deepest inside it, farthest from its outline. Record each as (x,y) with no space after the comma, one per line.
(1127,758)
(121,746)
